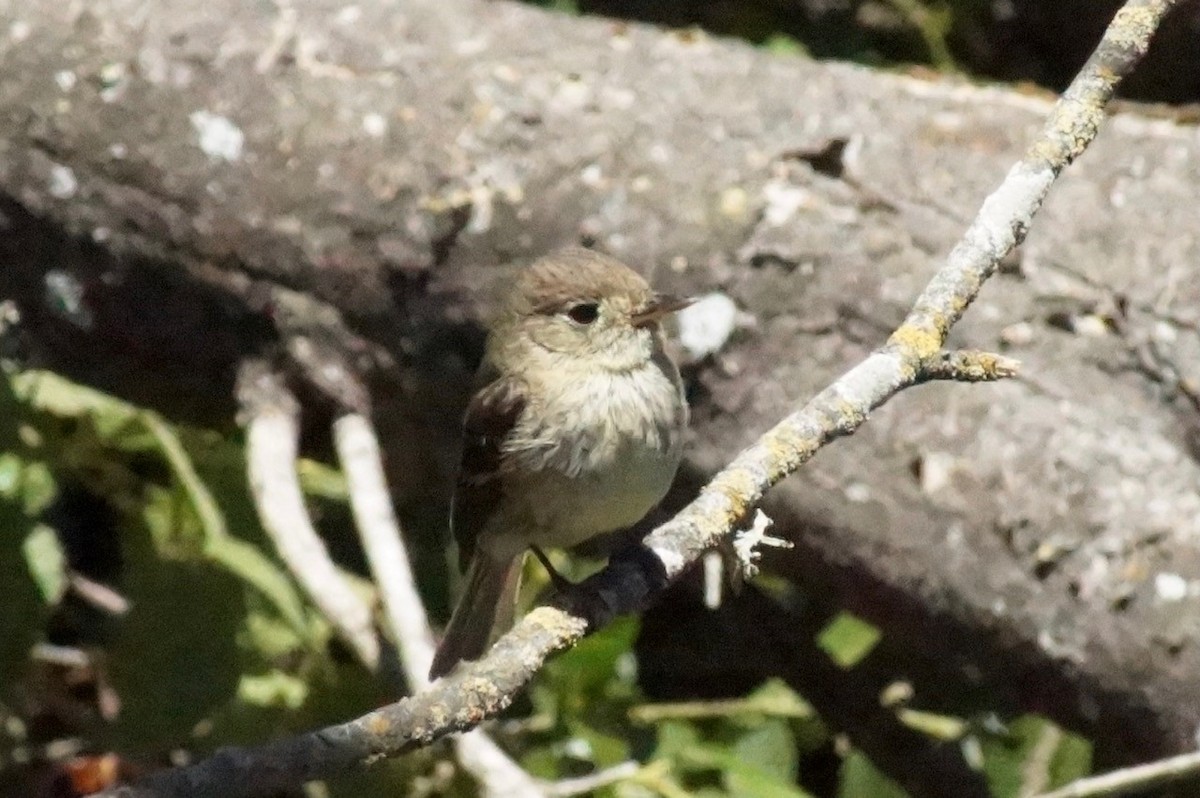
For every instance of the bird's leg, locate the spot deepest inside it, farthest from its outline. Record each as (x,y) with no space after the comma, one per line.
(560,582)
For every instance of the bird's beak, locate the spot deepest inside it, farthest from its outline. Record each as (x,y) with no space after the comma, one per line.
(659,306)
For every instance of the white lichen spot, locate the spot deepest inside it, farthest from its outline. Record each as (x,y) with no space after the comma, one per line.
(783,200)
(19,31)
(118,150)
(705,325)
(572,95)
(65,79)
(858,492)
(592,176)
(1165,333)
(1090,325)
(374,125)
(1170,587)
(63,183)
(220,139)
(349,15)
(937,468)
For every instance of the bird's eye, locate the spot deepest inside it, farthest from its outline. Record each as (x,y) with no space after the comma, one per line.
(584,312)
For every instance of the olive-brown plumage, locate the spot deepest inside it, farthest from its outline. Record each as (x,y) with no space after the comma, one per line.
(575,430)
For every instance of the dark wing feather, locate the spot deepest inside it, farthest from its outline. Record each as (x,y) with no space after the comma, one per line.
(491,416)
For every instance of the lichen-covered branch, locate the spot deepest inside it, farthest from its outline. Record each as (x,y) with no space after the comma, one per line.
(481,689)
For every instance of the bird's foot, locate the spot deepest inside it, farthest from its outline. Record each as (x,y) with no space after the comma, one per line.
(560,582)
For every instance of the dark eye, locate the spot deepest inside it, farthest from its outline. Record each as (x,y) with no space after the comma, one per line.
(584,312)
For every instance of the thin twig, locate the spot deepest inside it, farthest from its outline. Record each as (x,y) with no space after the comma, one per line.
(478,690)
(272,435)
(970,365)
(1134,779)
(593,781)
(383,541)
(360,459)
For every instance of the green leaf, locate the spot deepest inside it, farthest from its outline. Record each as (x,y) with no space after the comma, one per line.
(11,467)
(783,44)
(675,738)
(239,557)
(47,563)
(861,778)
(1034,753)
(1072,760)
(273,689)
(46,391)
(743,779)
(37,488)
(174,659)
(771,748)
(847,639)
(322,481)
(935,725)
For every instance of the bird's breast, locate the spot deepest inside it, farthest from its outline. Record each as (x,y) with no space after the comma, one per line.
(599,453)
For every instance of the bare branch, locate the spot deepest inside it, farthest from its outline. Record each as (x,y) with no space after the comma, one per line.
(1134,779)
(272,432)
(358,453)
(361,460)
(480,689)
(594,781)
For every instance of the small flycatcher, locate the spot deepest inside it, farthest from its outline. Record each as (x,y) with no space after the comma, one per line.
(576,430)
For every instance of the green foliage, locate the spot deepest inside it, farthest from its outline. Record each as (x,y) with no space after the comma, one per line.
(861,778)
(1031,756)
(221,647)
(848,639)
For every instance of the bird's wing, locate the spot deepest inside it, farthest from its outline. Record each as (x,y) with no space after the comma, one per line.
(491,416)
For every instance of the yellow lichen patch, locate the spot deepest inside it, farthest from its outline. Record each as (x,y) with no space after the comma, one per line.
(378,724)
(790,445)
(916,342)
(1132,25)
(737,486)
(565,627)
(850,416)
(1046,151)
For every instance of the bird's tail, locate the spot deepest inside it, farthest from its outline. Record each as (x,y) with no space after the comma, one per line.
(486,608)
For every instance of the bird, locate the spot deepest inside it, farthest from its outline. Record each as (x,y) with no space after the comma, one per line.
(575,430)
